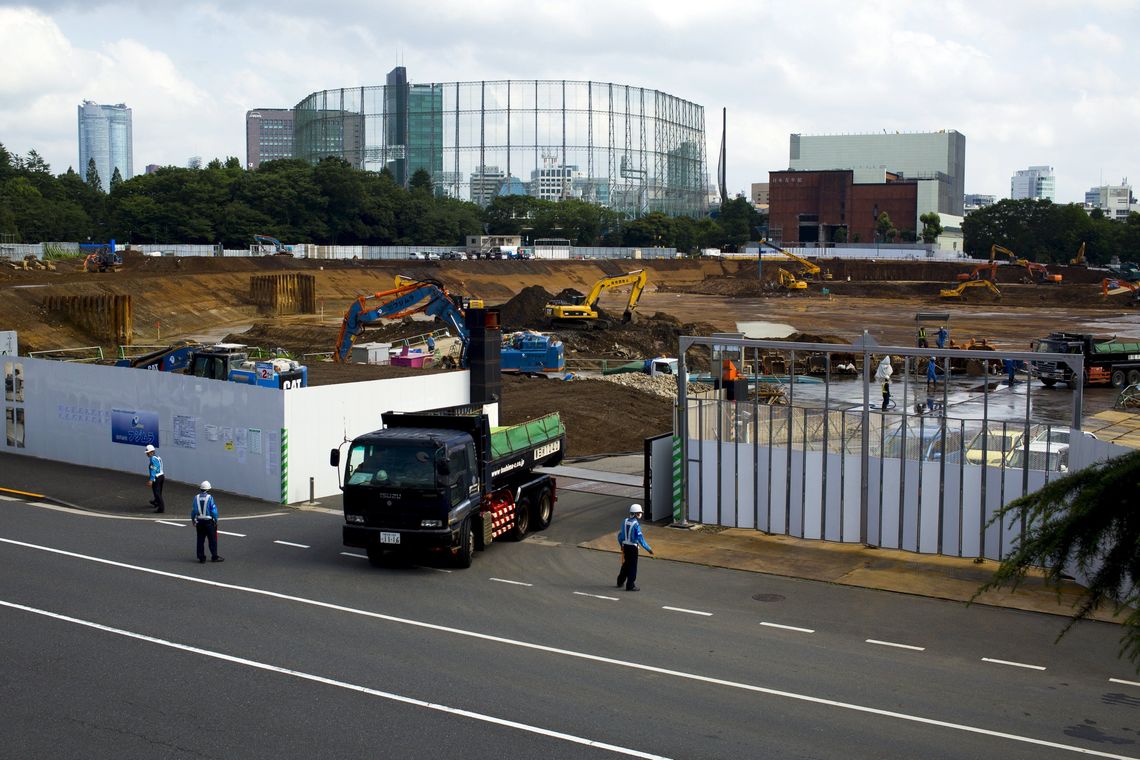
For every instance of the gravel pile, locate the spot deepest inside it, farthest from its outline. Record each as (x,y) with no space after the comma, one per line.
(664,386)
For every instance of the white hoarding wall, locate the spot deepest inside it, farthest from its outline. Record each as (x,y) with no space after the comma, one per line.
(259,442)
(103,416)
(319,419)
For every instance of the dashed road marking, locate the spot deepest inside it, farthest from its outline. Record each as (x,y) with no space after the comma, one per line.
(326,681)
(1013,664)
(896,646)
(167,522)
(1126,683)
(8,498)
(290,543)
(597,596)
(513,583)
(227,533)
(350,554)
(437,569)
(795,628)
(688,612)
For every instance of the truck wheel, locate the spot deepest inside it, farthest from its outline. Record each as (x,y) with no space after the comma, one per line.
(1048,382)
(543,511)
(1118,378)
(466,545)
(1133,376)
(377,557)
(522,520)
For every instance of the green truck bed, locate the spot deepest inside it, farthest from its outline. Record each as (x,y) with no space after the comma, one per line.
(1115,347)
(506,441)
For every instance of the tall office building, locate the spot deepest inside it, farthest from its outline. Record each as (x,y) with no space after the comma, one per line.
(268,135)
(105,136)
(936,160)
(414,126)
(1116,201)
(1035,182)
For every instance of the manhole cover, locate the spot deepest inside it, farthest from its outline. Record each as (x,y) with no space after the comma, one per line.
(768,597)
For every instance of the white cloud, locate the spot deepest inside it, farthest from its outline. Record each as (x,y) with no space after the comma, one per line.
(1040,82)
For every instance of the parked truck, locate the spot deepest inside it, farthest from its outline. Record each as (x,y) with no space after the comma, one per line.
(1107,360)
(446,481)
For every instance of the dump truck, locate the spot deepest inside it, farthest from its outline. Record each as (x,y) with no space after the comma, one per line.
(447,481)
(1107,360)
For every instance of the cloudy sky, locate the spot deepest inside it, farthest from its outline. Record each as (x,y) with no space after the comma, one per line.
(1028,83)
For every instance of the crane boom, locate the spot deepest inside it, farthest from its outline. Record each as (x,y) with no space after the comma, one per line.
(396,303)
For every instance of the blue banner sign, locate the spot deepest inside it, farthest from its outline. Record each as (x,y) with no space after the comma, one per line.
(134,428)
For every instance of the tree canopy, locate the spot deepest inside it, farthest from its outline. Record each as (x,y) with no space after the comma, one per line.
(1087,520)
(1040,230)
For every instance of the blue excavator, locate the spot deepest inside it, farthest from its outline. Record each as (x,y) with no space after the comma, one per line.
(399,302)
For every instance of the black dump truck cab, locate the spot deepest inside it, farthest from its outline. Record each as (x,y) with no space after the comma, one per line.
(446,480)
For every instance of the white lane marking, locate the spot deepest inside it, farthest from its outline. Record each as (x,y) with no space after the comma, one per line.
(896,646)
(339,684)
(753,688)
(437,569)
(227,533)
(79,512)
(597,596)
(797,629)
(167,522)
(1014,664)
(1126,683)
(290,543)
(9,498)
(513,583)
(350,554)
(690,612)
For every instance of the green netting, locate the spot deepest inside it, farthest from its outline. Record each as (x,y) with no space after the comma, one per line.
(1116,348)
(510,440)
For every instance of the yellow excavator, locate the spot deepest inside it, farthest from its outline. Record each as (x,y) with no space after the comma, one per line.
(1079,260)
(959,292)
(786,279)
(582,310)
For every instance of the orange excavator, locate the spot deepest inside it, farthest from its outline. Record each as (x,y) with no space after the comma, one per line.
(1114,287)
(977,273)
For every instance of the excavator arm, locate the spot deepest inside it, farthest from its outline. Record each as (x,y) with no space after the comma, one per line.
(995,249)
(808,267)
(396,303)
(586,309)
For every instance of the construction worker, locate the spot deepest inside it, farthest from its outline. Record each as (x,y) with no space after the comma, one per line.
(155,477)
(942,336)
(629,538)
(922,337)
(886,393)
(931,372)
(204,515)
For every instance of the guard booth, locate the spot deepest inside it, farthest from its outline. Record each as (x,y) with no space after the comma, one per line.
(928,323)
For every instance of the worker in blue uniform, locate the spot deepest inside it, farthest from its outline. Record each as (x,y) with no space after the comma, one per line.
(156,477)
(204,515)
(629,538)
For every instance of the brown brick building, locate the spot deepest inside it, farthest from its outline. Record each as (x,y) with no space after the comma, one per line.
(813,206)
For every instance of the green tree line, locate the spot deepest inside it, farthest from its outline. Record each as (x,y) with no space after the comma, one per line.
(1042,231)
(327,203)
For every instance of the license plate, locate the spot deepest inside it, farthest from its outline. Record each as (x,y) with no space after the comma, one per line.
(389,538)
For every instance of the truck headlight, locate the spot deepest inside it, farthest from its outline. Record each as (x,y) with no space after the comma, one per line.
(354,518)
(431,523)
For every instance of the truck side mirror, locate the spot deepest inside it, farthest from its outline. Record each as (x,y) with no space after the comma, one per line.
(334,457)
(443,467)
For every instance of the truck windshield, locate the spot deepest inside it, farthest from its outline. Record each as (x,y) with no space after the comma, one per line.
(390,466)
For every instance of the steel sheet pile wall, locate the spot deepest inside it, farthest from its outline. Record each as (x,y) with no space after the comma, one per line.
(284,293)
(104,317)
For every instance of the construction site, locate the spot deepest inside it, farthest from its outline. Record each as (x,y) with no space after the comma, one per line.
(606,390)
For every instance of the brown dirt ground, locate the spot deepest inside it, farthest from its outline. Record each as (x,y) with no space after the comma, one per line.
(208,299)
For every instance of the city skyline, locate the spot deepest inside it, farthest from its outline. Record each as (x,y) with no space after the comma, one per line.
(1055,96)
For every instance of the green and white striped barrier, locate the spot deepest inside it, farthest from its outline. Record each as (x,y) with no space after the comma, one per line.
(284,466)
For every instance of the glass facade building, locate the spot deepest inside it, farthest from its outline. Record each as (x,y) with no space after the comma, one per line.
(105,137)
(268,135)
(628,148)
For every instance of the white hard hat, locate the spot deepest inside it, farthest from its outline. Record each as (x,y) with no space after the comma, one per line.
(150,448)
(635,509)
(205,485)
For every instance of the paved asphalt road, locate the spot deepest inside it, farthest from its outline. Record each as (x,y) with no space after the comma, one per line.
(117,643)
